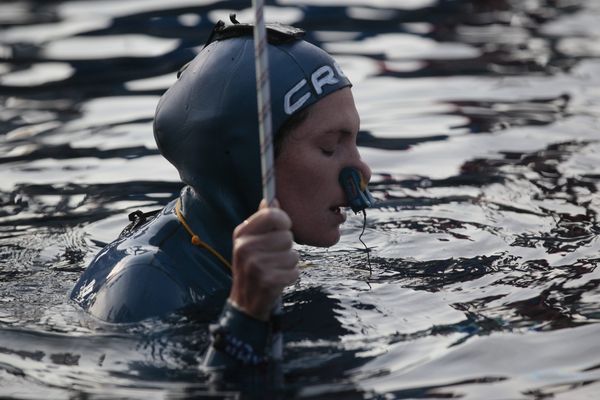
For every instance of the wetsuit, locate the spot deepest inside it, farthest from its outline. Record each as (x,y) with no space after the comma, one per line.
(206,125)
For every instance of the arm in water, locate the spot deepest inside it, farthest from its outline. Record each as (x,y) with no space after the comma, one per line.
(264,262)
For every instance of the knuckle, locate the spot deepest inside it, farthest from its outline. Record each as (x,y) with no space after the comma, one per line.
(285,219)
(283,240)
(294,257)
(289,236)
(296,274)
(279,217)
(269,213)
(246,252)
(240,247)
(238,231)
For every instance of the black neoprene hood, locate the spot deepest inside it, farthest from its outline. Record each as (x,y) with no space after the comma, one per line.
(206,124)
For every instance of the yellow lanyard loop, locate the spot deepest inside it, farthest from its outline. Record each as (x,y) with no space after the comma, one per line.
(196,241)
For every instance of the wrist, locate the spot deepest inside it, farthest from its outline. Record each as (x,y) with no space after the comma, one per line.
(240,337)
(251,310)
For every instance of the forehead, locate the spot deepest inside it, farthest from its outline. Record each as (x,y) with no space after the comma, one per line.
(334,113)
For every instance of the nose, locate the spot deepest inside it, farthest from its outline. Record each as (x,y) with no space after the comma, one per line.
(355,161)
(363,167)
(355,186)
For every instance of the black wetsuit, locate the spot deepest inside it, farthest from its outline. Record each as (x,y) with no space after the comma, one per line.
(156,270)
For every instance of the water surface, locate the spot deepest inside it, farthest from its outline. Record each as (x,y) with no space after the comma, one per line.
(480,120)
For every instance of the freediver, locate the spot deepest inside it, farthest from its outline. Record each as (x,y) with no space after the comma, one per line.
(210,249)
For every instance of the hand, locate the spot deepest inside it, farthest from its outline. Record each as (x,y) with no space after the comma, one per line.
(263,260)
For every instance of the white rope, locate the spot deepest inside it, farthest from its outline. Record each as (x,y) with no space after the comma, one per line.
(263,94)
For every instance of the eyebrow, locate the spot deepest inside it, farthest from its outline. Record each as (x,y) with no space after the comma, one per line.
(343,132)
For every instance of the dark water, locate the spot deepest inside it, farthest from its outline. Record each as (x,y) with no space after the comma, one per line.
(481,121)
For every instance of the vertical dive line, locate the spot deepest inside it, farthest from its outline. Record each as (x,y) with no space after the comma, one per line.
(263,97)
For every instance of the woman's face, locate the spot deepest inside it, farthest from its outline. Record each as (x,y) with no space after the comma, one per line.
(308,166)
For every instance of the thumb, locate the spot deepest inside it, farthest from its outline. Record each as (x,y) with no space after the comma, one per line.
(263,204)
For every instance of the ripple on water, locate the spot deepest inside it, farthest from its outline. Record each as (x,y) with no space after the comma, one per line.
(480,121)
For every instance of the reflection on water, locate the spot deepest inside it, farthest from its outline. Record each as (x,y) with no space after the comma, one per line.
(480,120)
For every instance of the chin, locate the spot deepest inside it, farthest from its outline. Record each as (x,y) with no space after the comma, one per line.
(321,240)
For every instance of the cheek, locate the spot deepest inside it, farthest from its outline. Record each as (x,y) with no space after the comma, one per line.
(307,186)
(297,188)
(299,185)
(293,171)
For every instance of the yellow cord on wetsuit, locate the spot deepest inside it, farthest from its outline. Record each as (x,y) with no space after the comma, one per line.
(196,241)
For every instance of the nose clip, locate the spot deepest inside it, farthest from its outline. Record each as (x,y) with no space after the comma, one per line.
(355,189)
